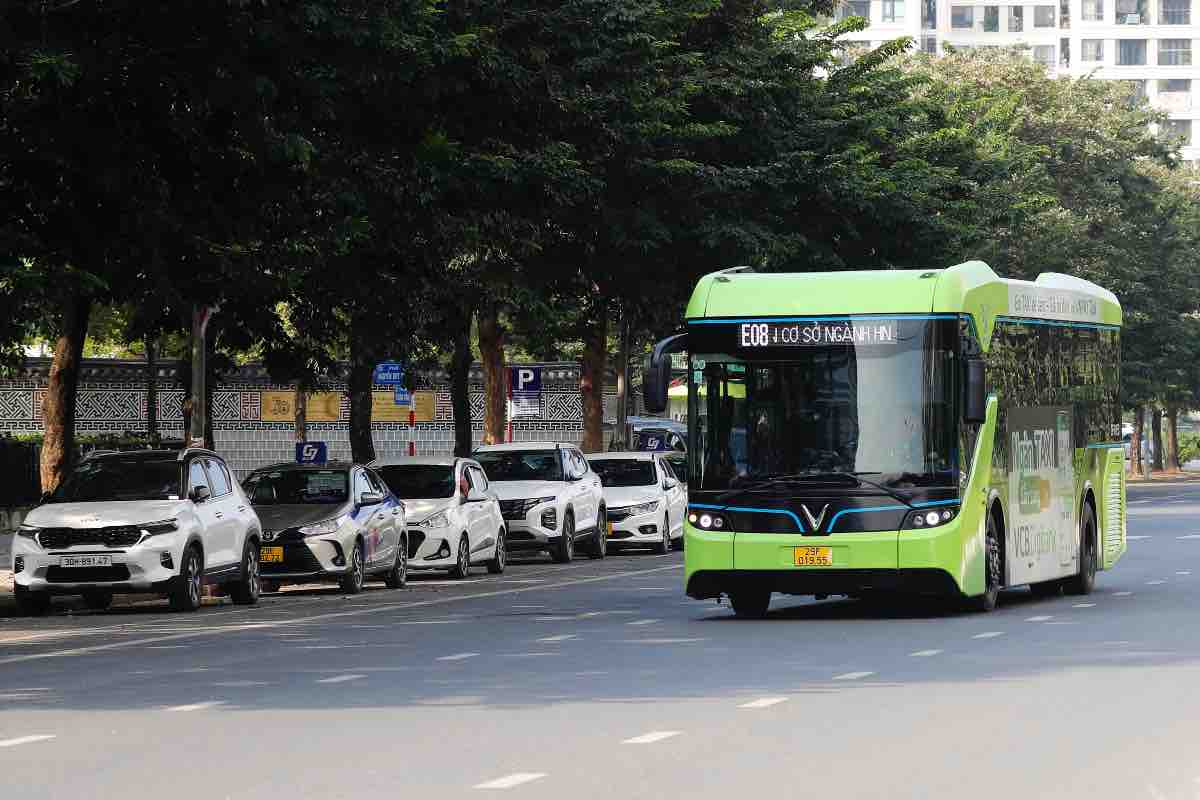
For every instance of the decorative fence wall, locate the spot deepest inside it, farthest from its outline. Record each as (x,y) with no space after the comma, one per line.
(248,427)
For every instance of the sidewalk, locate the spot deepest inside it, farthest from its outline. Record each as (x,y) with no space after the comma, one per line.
(1183,476)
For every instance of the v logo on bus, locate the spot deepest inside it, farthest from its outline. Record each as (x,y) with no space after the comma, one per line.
(814,522)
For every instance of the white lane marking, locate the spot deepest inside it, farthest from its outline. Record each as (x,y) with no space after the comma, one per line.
(1189,536)
(1155,583)
(457,657)
(590,614)
(764,702)
(925,653)
(531,605)
(643,622)
(661,641)
(429,622)
(317,618)
(552,619)
(528,655)
(988,635)
(562,637)
(851,676)
(341,678)
(652,589)
(651,737)
(1183,572)
(240,684)
(1039,618)
(1084,605)
(1115,642)
(37,737)
(197,706)
(1135,538)
(167,647)
(1122,594)
(509,781)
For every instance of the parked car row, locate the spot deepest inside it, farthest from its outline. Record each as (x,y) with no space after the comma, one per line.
(170,522)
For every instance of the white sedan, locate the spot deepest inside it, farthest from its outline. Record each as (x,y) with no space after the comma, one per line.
(646,503)
(454,518)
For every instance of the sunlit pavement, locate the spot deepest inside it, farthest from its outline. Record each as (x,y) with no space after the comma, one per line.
(599,679)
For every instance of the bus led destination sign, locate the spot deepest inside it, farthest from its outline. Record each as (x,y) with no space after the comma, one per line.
(818,333)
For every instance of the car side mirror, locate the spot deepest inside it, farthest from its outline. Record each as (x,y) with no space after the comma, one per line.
(370,499)
(669,484)
(476,496)
(199,494)
(656,376)
(975,391)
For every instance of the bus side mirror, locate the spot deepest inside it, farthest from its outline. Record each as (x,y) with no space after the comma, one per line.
(975,391)
(656,377)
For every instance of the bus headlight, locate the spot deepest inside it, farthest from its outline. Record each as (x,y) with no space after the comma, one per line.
(928,518)
(708,521)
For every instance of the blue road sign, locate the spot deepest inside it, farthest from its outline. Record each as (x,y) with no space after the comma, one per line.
(389,373)
(311,453)
(403,396)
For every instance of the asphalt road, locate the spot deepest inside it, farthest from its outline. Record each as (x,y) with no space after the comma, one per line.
(601,680)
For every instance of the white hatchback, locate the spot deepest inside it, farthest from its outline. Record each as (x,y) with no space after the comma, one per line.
(454,516)
(646,503)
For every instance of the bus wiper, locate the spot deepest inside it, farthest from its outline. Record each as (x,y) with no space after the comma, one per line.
(800,477)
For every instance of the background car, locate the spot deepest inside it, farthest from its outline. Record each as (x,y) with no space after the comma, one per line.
(454,516)
(550,498)
(646,503)
(145,521)
(328,521)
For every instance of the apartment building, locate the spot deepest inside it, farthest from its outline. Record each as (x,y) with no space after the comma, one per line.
(1147,42)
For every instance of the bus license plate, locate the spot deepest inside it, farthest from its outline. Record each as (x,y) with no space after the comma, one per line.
(813,556)
(272,555)
(85,561)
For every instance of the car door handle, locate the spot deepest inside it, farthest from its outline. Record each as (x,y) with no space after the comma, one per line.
(395,512)
(241,508)
(219,515)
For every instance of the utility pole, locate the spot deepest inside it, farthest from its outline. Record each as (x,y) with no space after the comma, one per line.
(200,317)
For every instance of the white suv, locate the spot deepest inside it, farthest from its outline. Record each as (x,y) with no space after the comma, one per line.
(160,521)
(550,497)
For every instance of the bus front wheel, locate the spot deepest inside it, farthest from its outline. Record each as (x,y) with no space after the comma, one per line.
(992,570)
(750,603)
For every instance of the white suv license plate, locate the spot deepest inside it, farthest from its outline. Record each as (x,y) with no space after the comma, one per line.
(85,561)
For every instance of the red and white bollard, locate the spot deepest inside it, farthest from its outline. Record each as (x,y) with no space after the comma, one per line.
(412,432)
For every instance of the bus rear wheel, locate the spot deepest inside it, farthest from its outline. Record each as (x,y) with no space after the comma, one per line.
(1085,580)
(750,603)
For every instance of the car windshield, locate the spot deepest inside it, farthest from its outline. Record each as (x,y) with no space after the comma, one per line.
(419,481)
(108,479)
(881,406)
(521,465)
(298,487)
(615,472)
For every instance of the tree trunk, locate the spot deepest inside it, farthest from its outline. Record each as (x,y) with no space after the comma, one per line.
(460,389)
(591,384)
(1173,438)
(58,410)
(152,391)
(1156,422)
(621,439)
(210,388)
(301,413)
(495,385)
(362,368)
(1135,442)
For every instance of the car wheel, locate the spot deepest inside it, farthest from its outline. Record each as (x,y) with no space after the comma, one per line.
(750,603)
(991,571)
(97,599)
(31,603)
(352,581)
(185,591)
(498,562)
(462,561)
(245,591)
(600,543)
(397,576)
(566,543)
(664,547)
(1085,580)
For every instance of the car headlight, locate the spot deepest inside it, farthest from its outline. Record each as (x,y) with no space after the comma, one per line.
(644,508)
(162,526)
(327,526)
(28,531)
(439,520)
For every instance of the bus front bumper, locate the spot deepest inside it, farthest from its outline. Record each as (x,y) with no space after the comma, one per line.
(931,561)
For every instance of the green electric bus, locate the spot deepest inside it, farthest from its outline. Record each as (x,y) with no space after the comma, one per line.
(942,432)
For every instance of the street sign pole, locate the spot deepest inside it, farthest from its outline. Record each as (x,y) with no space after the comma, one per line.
(509,410)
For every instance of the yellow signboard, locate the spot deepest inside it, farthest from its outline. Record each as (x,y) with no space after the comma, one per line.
(384,408)
(281,407)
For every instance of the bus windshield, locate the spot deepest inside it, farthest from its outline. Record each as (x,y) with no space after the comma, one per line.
(807,403)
